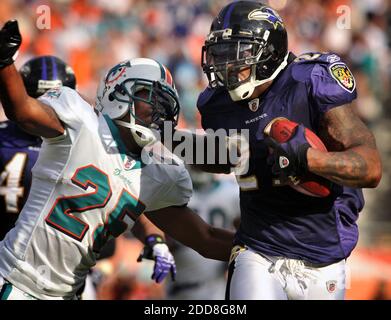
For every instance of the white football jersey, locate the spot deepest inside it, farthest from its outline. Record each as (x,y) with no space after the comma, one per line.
(199,277)
(85,189)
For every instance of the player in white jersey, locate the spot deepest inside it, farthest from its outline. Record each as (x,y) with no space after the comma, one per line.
(217,202)
(92,181)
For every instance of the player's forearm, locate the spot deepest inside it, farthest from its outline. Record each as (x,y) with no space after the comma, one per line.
(30,114)
(220,246)
(144,227)
(358,167)
(188,228)
(212,244)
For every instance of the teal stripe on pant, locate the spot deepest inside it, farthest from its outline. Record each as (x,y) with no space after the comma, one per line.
(5,291)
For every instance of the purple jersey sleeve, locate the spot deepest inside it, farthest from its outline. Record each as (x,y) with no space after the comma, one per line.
(331,85)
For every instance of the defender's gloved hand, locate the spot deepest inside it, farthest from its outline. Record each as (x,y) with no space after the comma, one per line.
(156,249)
(10,40)
(289,159)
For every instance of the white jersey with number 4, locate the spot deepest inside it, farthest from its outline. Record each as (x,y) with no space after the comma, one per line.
(85,189)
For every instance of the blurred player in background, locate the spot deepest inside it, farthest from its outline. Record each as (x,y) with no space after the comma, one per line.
(217,202)
(90,182)
(18,149)
(289,245)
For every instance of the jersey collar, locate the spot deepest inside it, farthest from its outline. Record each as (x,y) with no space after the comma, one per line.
(115,133)
(119,144)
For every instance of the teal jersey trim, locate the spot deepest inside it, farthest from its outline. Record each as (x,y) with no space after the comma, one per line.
(5,291)
(117,138)
(120,144)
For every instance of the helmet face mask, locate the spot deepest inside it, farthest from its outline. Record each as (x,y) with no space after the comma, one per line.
(227,59)
(120,90)
(249,36)
(128,93)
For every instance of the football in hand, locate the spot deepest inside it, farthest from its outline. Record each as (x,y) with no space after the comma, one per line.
(282,129)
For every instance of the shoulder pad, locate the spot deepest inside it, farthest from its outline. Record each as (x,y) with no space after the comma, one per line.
(317,57)
(308,66)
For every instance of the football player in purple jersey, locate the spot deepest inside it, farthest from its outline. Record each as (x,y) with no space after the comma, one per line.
(289,245)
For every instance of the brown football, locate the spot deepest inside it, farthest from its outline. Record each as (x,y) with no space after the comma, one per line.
(281,129)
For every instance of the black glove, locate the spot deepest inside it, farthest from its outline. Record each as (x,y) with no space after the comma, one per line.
(289,159)
(10,40)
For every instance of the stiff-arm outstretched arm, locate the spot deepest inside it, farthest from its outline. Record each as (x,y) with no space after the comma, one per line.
(182,224)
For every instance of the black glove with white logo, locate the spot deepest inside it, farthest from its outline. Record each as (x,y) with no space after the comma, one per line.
(10,41)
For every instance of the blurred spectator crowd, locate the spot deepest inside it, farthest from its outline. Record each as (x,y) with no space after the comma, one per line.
(92,35)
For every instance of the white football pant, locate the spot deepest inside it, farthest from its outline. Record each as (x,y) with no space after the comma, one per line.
(10,292)
(259,277)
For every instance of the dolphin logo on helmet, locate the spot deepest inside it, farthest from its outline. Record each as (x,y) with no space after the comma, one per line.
(117,93)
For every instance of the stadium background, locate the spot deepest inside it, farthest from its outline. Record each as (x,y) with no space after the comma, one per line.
(92,35)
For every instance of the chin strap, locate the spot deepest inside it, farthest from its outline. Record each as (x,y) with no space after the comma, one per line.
(142,135)
(246,90)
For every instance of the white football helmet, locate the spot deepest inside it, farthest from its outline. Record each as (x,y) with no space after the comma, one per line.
(117,93)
